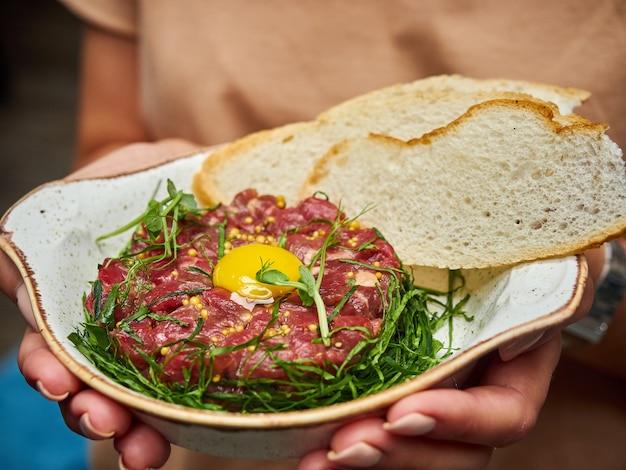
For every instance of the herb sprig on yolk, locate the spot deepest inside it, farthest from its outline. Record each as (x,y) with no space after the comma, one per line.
(237,270)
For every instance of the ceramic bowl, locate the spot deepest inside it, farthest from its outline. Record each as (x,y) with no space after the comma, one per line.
(50,235)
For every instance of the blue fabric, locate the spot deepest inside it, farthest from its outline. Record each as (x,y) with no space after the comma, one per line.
(34,435)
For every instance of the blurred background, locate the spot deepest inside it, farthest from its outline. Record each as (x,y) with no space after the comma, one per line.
(38,84)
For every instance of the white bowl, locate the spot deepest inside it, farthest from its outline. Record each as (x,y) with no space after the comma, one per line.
(50,235)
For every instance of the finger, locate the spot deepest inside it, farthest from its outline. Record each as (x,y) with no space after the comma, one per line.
(521,344)
(142,447)
(366,444)
(10,277)
(24,305)
(317,460)
(94,416)
(12,285)
(586,302)
(42,370)
(501,410)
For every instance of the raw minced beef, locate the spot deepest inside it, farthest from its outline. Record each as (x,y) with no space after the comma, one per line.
(169,313)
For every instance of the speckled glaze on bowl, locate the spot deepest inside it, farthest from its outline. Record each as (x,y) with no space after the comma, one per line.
(50,235)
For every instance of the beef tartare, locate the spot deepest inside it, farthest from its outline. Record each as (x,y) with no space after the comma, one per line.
(243,305)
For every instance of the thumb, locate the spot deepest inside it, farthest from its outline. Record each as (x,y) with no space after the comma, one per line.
(10,277)
(25,306)
(12,285)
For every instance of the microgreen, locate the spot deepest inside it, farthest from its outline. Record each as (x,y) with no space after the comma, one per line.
(161,220)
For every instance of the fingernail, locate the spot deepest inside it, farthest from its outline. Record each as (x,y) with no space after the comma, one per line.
(413,424)
(22,300)
(360,455)
(49,395)
(84,423)
(520,345)
(120,463)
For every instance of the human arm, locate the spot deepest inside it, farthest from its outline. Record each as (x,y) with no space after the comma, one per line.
(109,113)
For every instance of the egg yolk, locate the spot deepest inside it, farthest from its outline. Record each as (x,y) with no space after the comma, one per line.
(237,270)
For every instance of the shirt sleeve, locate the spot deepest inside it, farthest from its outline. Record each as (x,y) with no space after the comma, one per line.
(118,16)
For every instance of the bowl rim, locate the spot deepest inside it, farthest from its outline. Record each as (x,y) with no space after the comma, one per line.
(178,413)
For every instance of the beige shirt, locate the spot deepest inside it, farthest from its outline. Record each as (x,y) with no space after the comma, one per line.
(214,70)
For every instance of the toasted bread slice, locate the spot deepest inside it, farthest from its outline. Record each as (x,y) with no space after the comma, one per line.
(506,182)
(277,161)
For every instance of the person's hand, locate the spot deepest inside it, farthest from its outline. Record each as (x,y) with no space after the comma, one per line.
(455,429)
(84,410)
